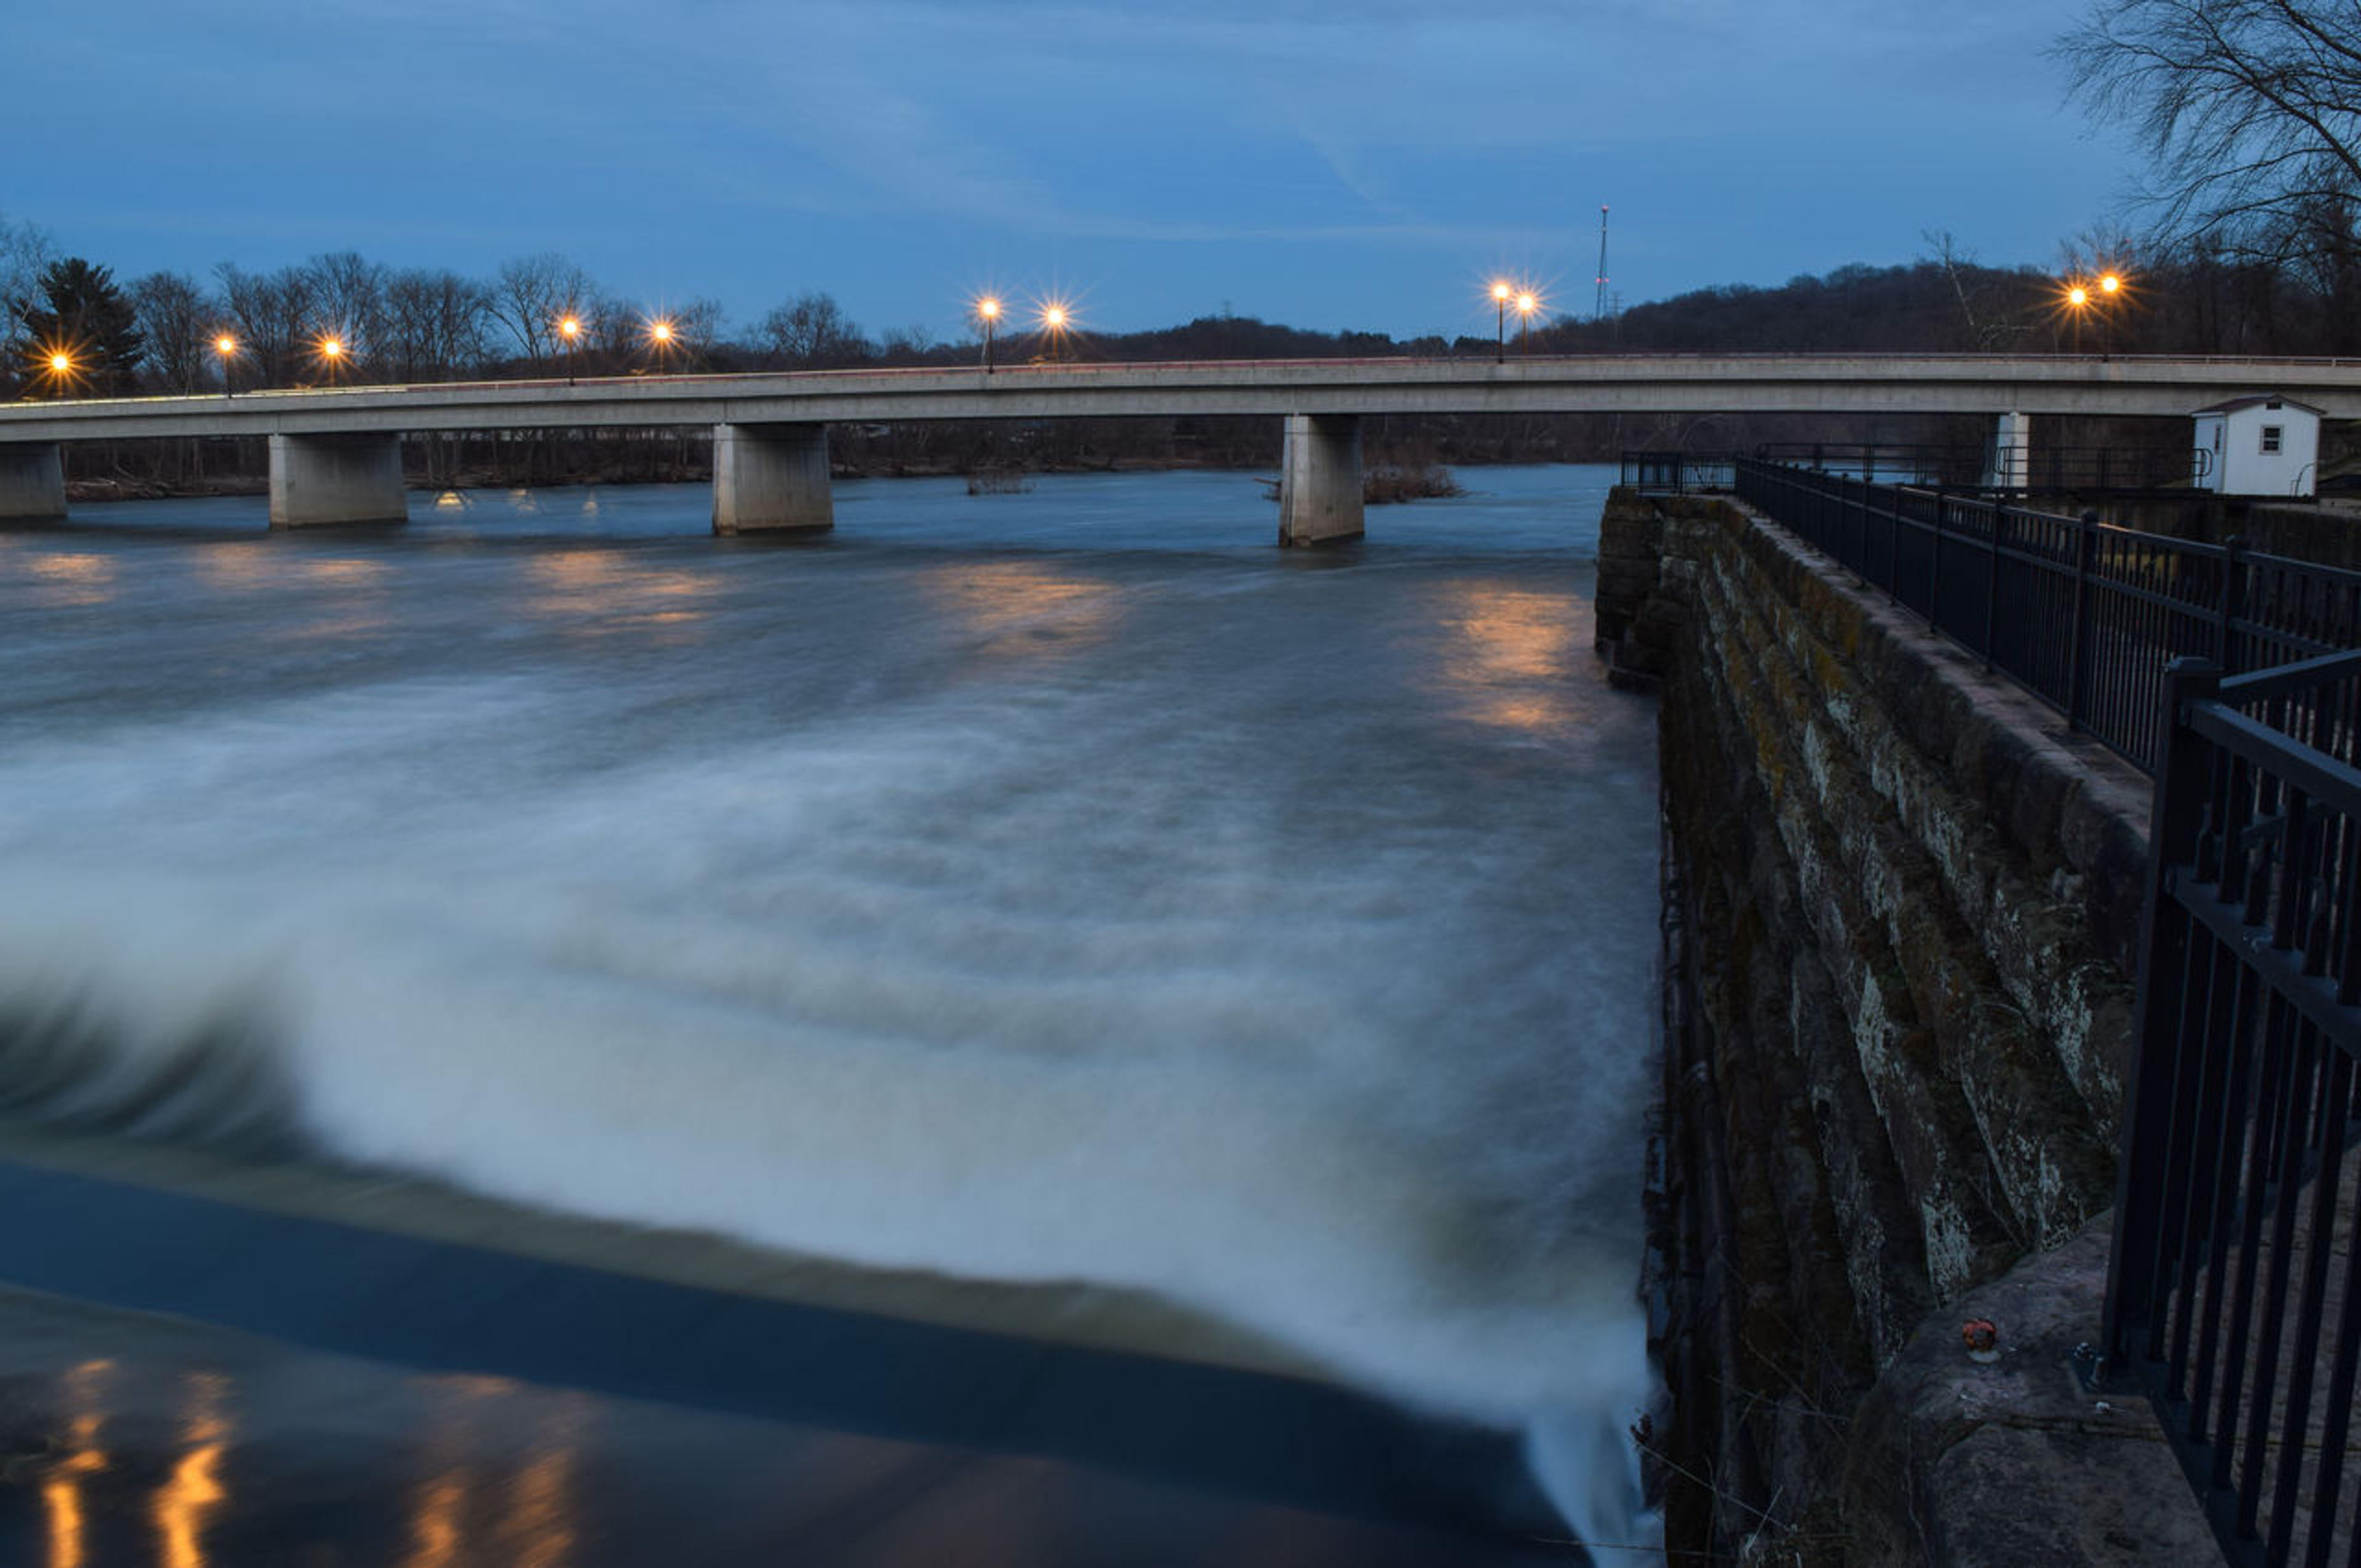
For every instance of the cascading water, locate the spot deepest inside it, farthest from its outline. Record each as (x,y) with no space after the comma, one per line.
(1063,885)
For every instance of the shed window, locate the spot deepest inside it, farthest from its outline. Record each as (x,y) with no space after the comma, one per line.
(2271,440)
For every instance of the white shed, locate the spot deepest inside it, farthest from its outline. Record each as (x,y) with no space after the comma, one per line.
(2258,445)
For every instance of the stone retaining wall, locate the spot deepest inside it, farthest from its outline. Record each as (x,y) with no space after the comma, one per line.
(1901,911)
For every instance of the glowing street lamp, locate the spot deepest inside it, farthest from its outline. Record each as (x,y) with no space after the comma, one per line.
(332,353)
(1055,319)
(61,368)
(987,311)
(569,327)
(2076,300)
(1500,292)
(1527,303)
(661,335)
(227,347)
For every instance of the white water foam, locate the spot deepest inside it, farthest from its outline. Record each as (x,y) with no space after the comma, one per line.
(917,990)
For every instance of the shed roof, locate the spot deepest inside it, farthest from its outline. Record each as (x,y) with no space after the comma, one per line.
(2251,399)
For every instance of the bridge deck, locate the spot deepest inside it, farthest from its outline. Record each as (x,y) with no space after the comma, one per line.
(1927,384)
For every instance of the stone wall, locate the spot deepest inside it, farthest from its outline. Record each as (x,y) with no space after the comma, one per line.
(1901,913)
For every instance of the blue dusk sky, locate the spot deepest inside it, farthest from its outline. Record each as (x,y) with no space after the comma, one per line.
(1359,165)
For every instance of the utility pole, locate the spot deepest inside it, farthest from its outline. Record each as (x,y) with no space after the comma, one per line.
(1598,305)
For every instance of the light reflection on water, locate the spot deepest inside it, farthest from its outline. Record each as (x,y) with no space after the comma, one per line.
(194,1492)
(76,579)
(81,1396)
(1022,609)
(1507,656)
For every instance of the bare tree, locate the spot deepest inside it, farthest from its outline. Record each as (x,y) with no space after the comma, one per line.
(812,333)
(2250,108)
(532,295)
(26,252)
(177,319)
(273,317)
(435,323)
(348,302)
(907,344)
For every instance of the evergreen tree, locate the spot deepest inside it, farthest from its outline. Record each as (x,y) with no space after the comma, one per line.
(90,320)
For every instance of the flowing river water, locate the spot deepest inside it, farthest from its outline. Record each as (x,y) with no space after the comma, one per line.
(1064,887)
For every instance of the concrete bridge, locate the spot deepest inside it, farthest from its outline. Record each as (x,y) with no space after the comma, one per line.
(336,453)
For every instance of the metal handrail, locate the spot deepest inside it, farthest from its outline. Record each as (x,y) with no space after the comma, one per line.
(2082,614)
(2240,1118)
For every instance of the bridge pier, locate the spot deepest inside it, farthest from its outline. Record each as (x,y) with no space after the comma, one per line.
(317,480)
(1320,479)
(2010,465)
(32,480)
(771,479)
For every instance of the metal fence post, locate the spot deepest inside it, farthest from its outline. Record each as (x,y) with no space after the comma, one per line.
(2177,812)
(2225,629)
(1991,581)
(2086,544)
(1934,574)
(1894,556)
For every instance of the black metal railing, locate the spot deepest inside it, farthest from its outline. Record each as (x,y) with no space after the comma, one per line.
(2083,615)
(1952,468)
(2234,1294)
(1679,473)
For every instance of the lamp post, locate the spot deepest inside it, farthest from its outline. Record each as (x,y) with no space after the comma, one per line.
(1527,303)
(987,310)
(227,347)
(570,329)
(1500,292)
(2111,289)
(332,353)
(1055,320)
(61,371)
(2078,303)
(663,337)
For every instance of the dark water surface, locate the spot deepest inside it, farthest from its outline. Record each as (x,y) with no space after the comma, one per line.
(1065,887)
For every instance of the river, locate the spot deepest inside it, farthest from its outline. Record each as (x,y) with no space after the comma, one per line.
(1065,887)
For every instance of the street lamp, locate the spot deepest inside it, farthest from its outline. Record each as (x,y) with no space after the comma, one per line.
(987,311)
(661,335)
(1055,319)
(2078,304)
(1500,292)
(226,346)
(61,371)
(1527,303)
(570,329)
(332,353)
(2111,289)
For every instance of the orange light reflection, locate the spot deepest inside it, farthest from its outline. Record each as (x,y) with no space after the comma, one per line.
(1509,661)
(72,578)
(61,1492)
(600,593)
(195,1491)
(1016,610)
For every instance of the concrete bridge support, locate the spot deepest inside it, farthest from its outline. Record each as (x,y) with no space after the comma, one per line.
(323,479)
(771,479)
(2010,465)
(1320,479)
(32,480)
